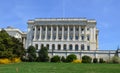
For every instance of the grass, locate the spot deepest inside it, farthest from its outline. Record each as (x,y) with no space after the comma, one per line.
(34,67)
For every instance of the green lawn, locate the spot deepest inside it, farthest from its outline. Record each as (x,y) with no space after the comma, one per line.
(59,68)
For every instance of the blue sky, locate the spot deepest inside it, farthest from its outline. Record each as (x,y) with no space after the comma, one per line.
(16,13)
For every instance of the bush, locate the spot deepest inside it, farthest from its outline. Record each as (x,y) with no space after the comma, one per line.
(7,60)
(95,60)
(55,59)
(101,60)
(86,59)
(16,60)
(31,53)
(63,59)
(43,54)
(77,61)
(115,59)
(71,57)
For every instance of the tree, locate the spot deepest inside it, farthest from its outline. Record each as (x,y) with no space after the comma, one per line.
(86,59)
(71,57)
(43,54)
(9,46)
(31,54)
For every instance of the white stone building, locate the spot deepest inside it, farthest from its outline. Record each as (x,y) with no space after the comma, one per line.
(63,34)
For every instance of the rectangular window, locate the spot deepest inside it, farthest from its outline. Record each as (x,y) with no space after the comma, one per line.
(88,47)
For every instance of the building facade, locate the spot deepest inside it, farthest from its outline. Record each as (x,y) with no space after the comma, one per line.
(63,34)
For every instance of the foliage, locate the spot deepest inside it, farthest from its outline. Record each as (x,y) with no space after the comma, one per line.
(63,59)
(101,60)
(43,54)
(55,58)
(71,57)
(86,59)
(10,47)
(95,60)
(31,54)
(115,59)
(7,60)
(77,61)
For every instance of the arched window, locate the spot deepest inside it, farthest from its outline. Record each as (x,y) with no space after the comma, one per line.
(64,47)
(59,47)
(47,46)
(70,47)
(82,46)
(53,46)
(76,47)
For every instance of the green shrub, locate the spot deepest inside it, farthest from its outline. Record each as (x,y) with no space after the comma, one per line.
(71,57)
(31,54)
(55,58)
(63,59)
(43,55)
(95,60)
(86,59)
(101,60)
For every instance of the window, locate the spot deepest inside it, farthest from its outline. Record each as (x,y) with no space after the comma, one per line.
(82,47)
(76,47)
(88,38)
(70,47)
(53,46)
(65,29)
(82,29)
(47,46)
(59,47)
(88,47)
(76,37)
(71,37)
(49,29)
(87,29)
(54,37)
(60,29)
(82,37)
(71,29)
(65,37)
(64,47)
(54,29)
(77,29)
(44,29)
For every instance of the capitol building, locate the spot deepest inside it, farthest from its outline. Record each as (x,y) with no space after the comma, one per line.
(63,36)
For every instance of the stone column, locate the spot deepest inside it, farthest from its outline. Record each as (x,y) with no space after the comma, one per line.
(67,47)
(46,33)
(35,33)
(40,33)
(79,33)
(68,34)
(74,32)
(85,34)
(56,32)
(51,33)
(91,34)
(94,34)
(62,32)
